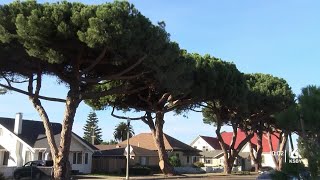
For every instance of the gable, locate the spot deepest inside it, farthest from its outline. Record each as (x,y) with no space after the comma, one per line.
(33,133)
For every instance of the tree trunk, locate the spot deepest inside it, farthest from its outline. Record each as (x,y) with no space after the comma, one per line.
(282,145)
(253,157)
(227,165)
(62,167)
(157,132)
(259,150)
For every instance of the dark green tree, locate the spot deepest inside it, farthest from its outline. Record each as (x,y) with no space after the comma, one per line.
(166,92)
(226,105)
(267,95)
(120,132)
(81,46)
(91,128)
(109,142)
(308,127)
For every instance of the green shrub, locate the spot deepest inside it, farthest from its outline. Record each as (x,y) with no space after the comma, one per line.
(198,164)
(174,161)
(138,170)
(278,175)
(293,168)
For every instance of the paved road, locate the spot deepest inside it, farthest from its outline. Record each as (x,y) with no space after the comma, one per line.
(187,177)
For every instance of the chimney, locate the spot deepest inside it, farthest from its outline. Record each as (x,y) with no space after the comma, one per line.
(18,124)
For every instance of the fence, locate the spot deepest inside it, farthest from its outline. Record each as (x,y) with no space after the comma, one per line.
(108,165)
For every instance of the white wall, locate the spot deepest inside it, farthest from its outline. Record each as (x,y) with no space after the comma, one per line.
(76,146)
(12,144)
(200,143)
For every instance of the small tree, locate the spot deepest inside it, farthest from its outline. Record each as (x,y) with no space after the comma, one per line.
(120,132)
(174,161)
(91,128)
(109,142)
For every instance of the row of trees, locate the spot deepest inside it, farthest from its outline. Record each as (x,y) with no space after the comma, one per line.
(92,131)
(110,55)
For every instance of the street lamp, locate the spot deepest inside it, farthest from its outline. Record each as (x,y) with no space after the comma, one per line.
(128,148)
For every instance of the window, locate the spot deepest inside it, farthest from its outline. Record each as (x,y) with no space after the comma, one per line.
(86,156)
(208,161)
(27,156)
(5,158)
(143,160)
(188,159)
(40,155)
(77,158)
(74,158)
(177,154)
(203,147)
(194,159)
(206,149)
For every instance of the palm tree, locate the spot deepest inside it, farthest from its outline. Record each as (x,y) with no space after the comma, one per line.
(120,132)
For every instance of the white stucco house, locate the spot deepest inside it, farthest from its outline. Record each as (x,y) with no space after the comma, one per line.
(25,140)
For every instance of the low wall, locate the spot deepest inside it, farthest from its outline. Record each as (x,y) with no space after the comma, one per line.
(188,170)
(7,171)
(209,169)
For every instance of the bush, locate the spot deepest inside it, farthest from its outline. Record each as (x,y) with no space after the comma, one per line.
(278,175)
(198,164)
(293,168)
(138,170)
(174,161)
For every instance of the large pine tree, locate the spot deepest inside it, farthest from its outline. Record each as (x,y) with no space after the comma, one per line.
(91,127)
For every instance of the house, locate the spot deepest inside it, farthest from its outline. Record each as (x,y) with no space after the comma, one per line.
(25,140)
(212,154)
(266,152)
(143,151)
(210,148)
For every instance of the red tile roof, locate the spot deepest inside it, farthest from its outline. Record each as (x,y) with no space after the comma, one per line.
(227,137)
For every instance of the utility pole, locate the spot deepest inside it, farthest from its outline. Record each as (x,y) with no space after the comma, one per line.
(128,148)
(93,135)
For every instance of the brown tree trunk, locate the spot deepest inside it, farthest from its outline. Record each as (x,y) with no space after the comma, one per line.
(283,143)
(226,165)
(253,157)
(157,132)
(259,150)
(62,167)
(281,153)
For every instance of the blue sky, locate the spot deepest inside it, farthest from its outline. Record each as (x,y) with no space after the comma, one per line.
(277,37)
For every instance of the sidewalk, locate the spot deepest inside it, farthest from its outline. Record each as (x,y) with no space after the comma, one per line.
(160,176)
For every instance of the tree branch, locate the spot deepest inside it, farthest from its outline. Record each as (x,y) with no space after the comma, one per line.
(118,76)
(98,59)
(122,117)
(31,94)
(112,91)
